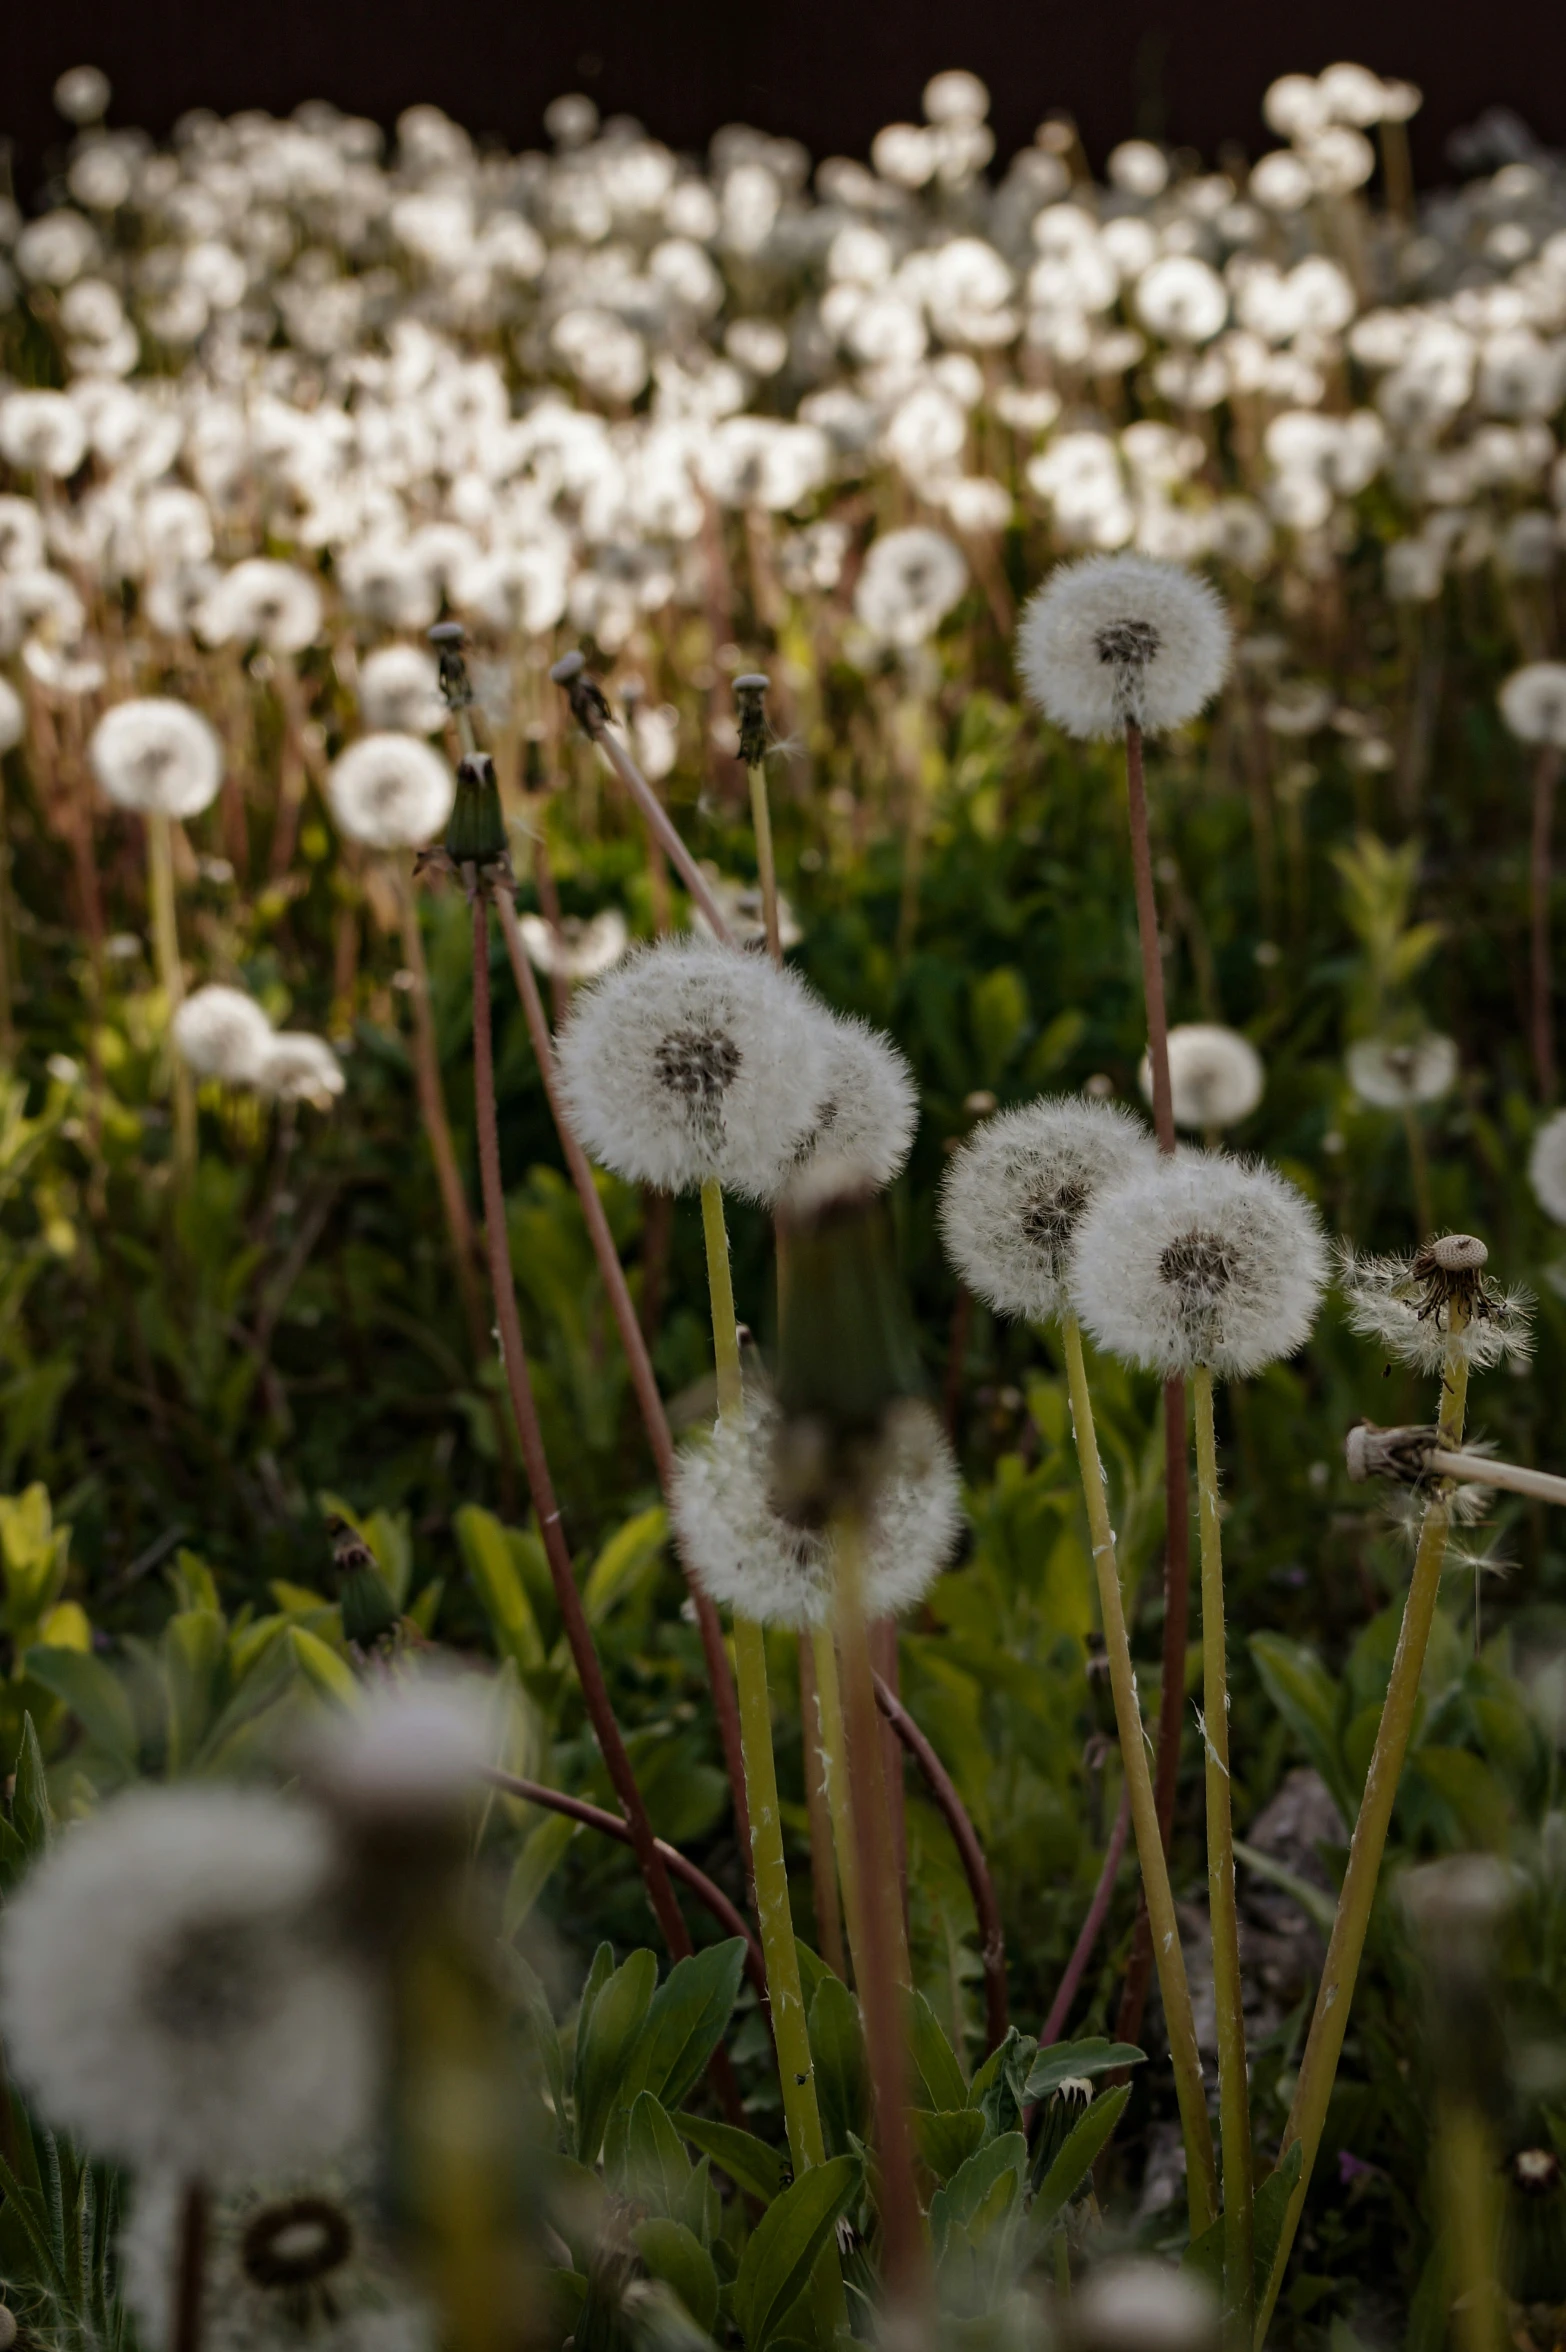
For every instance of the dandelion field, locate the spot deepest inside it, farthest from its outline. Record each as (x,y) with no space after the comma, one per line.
(770,933)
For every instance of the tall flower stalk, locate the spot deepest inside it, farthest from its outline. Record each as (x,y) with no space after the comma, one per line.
(171,978)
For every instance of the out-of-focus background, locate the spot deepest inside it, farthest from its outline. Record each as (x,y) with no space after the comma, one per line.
(823,71)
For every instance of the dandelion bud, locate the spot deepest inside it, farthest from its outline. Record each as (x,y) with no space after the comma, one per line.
(1123,640)
(476,829)
(449,639)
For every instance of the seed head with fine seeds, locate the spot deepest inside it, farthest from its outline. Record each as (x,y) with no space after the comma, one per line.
(1123,640)
(1017,1191)
(1405,1304)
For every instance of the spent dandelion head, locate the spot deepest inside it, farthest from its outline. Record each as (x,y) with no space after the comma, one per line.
(1200,1260)
(750,699)
(869,1105)
(158,756)
(749,1555)
(1396,1074)
(575,949)
(691,1061)
(1216,1076)
(1406,1305)
(390,791)
(1123,640)
(1015,1194)
(170,1993)
(298,1067)
(222,1033)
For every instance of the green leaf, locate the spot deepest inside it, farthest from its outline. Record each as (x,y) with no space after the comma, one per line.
(1079,2155)
(935,2062)
(1271,2207)
(657,2169)
(998,1012)
(783,2249)
(604,2042)
(31,1817)
(980,2190)
(534,2002)
(320,1664)
(95,1696)
(1307,1698)
(194,1642)
(686,2021)
(837,2046)
(675,2255)
(1079,2061)
(488,1554)
(1203,2258)
(750,2163)
(542,1850)
(628,1554)
(1001,2085)
(1317,1906)
(947,2137)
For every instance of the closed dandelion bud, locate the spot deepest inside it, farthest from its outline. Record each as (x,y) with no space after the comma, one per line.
(750,693)
(363,1596)
(476,828)
(847,1351)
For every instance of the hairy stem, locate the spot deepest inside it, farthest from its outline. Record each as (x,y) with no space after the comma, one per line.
(986,1906)
(761,819)
(1335,1993)
(818,1804)
(1466,2177)
(834,1742)
(171,978)
(1234,2103)
(535,1461)
(1092,1926)
(437,1127)
(1201,2172)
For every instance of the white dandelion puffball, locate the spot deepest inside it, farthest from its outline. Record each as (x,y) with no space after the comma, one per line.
(168,1994)
(692,1060)
(1533,703)
(42,433)
(13,716)
(261,602)
(297,1067)
(399,689)
(391,791)
(747,1557)
(158,756)
(1547,1167)
(1403,1304)
(576,950)
(1393,1075)
(1215,1075)
(910,582)
(1182,299)
(869,1108)
(416,1747)
(1199,1260)
(222,1033)
(303,2261)
(1139,2300)
(1123,640)
(1015,1194)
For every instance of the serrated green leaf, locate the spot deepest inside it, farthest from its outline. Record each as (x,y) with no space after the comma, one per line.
(1079,2155)
(604,2045)
(750,2163)
(784,2247)
(947,2137)
(980,2190)
(675,2255)
(1203,2258)
(686,2021)
(837,2047)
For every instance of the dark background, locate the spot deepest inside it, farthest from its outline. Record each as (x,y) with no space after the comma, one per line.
(828,71)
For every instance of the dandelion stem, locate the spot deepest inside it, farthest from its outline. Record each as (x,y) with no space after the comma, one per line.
(639,1362)
(1465,2164)
(834,1741)
(1335,1993)
(171,978)
(1201,2172)
(591,713)
(432,1109)
(535,1461)
(1542,1023)
(882,1993)
(774,1915)
(1097,1912)
(190,2256)
(761,819)
(1234,2107)
(818,1803)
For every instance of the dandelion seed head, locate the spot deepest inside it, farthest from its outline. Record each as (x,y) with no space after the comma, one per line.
(42,433)
(1200,1260)
(1118,640)
(391,791)
(297,1067)
(399,691)
(868,1110)
(577,950)
(692,1060)
(13,717)
(1215,1075)
(1547,1167)
(1404,1305)
(911,580)
(168,1992)
(222,1033)
(1015,1194)
(261,602)
(158,756)
(1142,2302)
(748,1557)
(1393,1074)
(1533,703)
(417,1747)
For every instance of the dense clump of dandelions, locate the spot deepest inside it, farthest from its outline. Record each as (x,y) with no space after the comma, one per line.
(222,1033)
(158,756)
(304,2261)
(1216,1077)
(1017,1191)
(391,791)
(170,1992)
(1199,1260)
(689,1061)
(1123,640)
(753,1559)
(869,1107)
(1404,1305)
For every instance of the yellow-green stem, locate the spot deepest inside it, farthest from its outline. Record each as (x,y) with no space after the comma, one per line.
(171,978)
(1466,2172)
(761,819)
(1334,1994)
(1201,2171)
(774,1916)
(1234,2106)
(834,1741)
